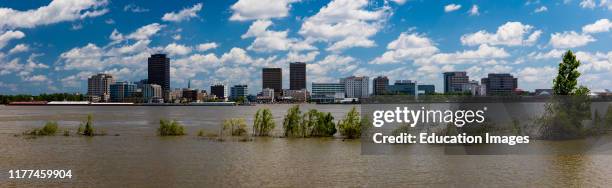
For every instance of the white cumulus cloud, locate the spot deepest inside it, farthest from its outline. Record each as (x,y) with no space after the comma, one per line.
(268,40)
(57,11)
(345,24)
(207,46)
(451,7)
(8,36)
(602,25)
(19,48)
(509,34)
(184,14)
(570,39)
(540,9)
(405,47)
(177,49)
(245,10)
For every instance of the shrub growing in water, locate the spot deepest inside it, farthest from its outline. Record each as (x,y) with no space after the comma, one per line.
(319,123)
(235,126)
(291,123)
(89,130)
(50,128)
(350,126)
(170,128)
(263,123)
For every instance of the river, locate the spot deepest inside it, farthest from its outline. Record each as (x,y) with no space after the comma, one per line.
(137,157)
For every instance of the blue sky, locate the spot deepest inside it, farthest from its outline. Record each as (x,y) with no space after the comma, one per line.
(53,46)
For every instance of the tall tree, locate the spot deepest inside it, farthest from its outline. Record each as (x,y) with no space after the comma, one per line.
(292,121)
(566,82)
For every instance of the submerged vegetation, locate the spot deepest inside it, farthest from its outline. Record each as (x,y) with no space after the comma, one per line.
(170,128)
(319,124)
(234,127)
(50,128)
(311,124)
(565,112)
(292,122)
(350,126)
(87,128)
(263,123)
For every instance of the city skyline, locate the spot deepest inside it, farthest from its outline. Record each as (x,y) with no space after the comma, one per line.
(212,41)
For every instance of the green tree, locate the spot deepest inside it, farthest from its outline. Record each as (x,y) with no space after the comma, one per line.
(291,123)
(563,116)
(263,123)
(310,122)
(350,126)
(566,81)
(325,125)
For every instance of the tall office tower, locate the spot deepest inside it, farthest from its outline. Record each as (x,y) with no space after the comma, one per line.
(219,90)
(272,78)
(455,81)
(159,71)
(499,84)
(380,85)
(239,91)
(297,76)
(356,87)
(98,87)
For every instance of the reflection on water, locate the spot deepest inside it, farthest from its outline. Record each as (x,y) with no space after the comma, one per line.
(138,157)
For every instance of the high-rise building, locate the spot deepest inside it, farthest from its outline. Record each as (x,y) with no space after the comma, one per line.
(356,87)
(499,84)
(380,85)
(402,87)
(454,82)
(140,84)
(152,93)
(426,89)
(159,71)
(219,90)
(327,92)
(122,91)
(272,78)
(297,76)
(239,91)
(98,87)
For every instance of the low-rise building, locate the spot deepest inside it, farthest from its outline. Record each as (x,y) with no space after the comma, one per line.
(295,95)
(402,87)
(327,92)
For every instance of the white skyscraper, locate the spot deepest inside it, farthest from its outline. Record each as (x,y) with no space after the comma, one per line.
(356,87)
